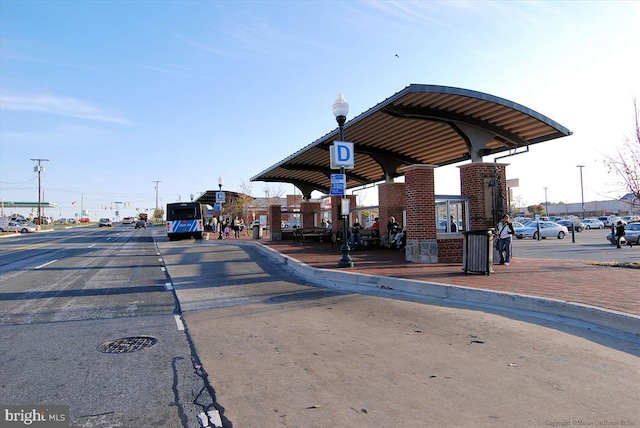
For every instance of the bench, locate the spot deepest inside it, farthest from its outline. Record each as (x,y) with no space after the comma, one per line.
(316,233)
(368,240)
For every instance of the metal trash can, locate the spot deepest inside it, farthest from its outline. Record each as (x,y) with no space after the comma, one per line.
(477,253)
(256,231)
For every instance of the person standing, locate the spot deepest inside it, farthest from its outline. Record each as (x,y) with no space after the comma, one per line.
(236,227)
(505,231)
(452,225)
(619,233)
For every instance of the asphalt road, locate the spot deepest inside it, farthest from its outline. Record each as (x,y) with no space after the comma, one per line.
(65,293)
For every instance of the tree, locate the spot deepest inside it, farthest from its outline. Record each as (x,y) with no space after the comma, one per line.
(273,196)
(243,201)
(535,209)
(157,214)
(626,161)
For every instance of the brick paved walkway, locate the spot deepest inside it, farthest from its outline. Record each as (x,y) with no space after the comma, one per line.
(567,280)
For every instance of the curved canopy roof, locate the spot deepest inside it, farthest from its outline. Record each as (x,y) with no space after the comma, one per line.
(422,124)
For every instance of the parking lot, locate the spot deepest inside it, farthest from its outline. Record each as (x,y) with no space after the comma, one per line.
(590,245)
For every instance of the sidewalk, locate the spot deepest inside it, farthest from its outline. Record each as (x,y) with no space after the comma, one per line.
(571,281)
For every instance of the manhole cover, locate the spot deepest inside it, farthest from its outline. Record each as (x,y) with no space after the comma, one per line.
(127,344)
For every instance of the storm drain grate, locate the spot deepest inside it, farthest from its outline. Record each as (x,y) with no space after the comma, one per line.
(127,344)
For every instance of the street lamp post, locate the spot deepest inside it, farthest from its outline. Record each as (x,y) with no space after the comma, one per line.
(39,169)
(340,110)
(546,203)
(220,181)
(581,189)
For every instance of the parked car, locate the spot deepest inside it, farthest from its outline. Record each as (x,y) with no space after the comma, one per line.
(84,220)
(631,234)
(548,229)
(18,227)
(104,222)
(593,223)
(611,220)
(606,221)
(571,224)
(630,218)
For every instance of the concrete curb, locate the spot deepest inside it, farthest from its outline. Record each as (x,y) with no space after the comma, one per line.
(627,324)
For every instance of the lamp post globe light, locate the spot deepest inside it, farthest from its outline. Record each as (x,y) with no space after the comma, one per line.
(220,181)
(340,111)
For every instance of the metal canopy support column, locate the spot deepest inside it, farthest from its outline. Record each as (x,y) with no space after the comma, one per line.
(475,138)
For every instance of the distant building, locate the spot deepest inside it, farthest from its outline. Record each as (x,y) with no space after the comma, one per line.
(627,205)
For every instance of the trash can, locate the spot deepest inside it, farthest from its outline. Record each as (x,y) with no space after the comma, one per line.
(477,253)
(256,231)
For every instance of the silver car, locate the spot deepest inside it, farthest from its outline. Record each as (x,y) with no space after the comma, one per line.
(631,234)
(593,223)
(548,229)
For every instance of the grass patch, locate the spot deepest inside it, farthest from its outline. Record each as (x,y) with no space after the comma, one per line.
(630,265)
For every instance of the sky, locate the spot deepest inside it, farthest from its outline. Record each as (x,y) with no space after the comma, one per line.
(144,101)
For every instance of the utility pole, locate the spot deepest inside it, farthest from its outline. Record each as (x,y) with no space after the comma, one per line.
(39,169)
(157,181)
(581,189)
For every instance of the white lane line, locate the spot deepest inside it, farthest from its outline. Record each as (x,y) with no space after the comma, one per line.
(179,322)
(163,269)
(212,416)
(46,264)
(168,286)
(91,246)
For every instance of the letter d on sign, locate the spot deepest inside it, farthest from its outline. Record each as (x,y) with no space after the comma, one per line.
(342,155)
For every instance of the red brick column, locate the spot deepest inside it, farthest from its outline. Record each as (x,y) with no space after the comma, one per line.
(391,202)
(274,220)
(336,211)
(475,182)
(422,245)
(307,210)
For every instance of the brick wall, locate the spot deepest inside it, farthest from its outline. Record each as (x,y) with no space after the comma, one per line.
(474,179)
(391,201)
(274,220)
(450,250)
(420,202)
(336,213)
(308,209)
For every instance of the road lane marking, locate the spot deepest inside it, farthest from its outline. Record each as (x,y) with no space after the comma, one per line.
(46,264)
(212,416)
(179,322)
(168,286)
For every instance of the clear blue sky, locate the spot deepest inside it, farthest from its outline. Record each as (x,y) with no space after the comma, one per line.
(119,94)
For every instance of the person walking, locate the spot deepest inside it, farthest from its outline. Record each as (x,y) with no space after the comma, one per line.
(619,233)
(505,231)
(236,227)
